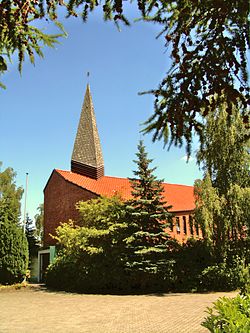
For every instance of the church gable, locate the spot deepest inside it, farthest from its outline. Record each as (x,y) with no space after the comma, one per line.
(60,197)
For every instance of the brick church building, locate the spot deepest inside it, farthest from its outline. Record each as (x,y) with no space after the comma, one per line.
(87,180)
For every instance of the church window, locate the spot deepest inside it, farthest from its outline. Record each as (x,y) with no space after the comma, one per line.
(185,225)
(177,223)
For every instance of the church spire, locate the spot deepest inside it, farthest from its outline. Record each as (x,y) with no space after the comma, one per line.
(87,157)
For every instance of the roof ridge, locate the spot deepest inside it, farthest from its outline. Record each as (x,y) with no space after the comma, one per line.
(124,178)
(181,197)
(179,184)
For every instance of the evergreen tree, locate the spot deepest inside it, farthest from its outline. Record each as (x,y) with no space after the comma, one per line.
(148,218)
(13,243)
(13,251)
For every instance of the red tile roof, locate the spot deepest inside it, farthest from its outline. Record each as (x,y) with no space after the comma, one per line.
(181,197)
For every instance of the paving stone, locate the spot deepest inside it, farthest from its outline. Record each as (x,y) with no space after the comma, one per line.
(41,311)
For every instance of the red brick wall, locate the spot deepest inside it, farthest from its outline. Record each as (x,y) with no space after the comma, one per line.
(182,234)
(60,198)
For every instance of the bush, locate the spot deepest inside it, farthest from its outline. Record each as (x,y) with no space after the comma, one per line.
(13,253)
(86,275)
(239,249)
(245,285)
(191,259)
(224,276)
(229,315)
(62,275)
(91,261)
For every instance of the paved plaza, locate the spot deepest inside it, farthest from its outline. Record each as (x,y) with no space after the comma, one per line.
(39,310)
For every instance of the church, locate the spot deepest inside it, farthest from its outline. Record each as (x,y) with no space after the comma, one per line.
(87,180)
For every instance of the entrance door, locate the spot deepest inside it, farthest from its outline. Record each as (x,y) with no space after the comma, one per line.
(44,263)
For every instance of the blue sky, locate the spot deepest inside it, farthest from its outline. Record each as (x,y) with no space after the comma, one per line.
(40,110)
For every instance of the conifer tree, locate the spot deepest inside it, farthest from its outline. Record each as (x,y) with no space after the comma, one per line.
(148,217)
(13,251)
(13,243)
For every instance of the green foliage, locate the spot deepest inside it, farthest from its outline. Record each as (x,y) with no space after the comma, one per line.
(39,220)
(100,212)
(13,243)
(191,258)
(238,211)
(147,209)
(224,154)
(18,34)
(197,267)
(209,211)
(13,251)
(245,287)
(222,218)
(148,218)
(229,315)
(97,260)
(208,41)
(90,256)
(223,196)
(10,194)
(223,277)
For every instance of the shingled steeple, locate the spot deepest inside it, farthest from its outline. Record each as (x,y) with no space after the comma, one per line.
(87,157)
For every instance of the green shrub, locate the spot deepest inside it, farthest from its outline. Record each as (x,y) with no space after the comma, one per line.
(91,260)
(245,285)
(223,276)
(229,315)
(191,259)
(239,249)
(86,274)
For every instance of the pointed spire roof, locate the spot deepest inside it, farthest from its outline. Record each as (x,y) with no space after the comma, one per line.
(87,153)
